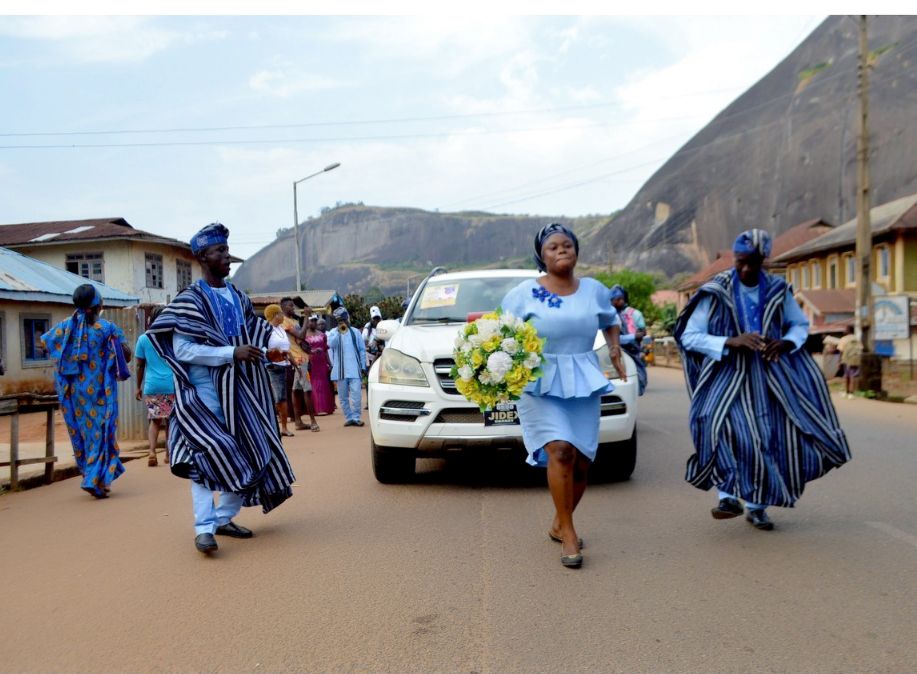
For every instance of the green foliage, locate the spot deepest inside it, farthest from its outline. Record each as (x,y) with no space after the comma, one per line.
(813,71)
(358,308)
(640,287)
(668,314)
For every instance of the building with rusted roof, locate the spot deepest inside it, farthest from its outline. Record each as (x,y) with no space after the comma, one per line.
(152,267)
(790,239)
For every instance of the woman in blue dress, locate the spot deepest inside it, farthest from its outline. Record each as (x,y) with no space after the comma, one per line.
(86,349)
(560,412)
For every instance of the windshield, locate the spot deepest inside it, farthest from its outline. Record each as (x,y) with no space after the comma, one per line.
(452,301)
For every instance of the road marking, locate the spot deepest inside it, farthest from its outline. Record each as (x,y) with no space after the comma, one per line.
(895,531)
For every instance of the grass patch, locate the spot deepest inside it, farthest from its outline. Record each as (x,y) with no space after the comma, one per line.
(809,73)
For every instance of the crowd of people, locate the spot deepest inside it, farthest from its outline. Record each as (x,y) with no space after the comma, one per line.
(224,384)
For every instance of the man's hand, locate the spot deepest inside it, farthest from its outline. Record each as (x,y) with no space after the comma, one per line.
(775,347)
(748,340)
(247,353)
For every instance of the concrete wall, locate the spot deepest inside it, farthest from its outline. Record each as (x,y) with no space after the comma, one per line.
(37,377)
(125,265)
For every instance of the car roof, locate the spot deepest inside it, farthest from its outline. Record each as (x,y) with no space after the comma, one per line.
(485,273)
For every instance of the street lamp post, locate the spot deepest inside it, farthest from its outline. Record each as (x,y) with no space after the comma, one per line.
(330,167)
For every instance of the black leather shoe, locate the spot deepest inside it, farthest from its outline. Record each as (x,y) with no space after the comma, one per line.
(759,519)
(350,422)
(234,530)
(205,543)
(726,509)
(358,423)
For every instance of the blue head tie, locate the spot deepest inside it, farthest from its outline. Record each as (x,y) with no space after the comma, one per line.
(618,291)
(546,233)
(211,235)
(753,241)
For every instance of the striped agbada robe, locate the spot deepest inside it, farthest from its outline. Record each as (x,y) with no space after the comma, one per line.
(244,456)
(761,429)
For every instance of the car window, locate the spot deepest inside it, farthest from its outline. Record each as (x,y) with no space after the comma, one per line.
(452,301)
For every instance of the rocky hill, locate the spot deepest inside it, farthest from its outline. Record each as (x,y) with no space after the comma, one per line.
(783,152)
(354,248)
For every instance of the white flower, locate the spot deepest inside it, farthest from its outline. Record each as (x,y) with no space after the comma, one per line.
(508,321)
(466,372)
(498,364)
(460,340)
(467,348)
(476,340)
(485,378)
(509,345)
(532,361)
(487,328)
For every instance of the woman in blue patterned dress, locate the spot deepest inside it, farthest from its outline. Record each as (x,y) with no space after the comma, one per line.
(85,350)
(560,412)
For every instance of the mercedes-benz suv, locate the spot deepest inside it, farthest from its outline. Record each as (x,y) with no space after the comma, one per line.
(415,410)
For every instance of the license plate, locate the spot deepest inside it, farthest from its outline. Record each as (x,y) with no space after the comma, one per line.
(502,415)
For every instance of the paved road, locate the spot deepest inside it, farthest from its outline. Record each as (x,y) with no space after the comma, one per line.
(455,574)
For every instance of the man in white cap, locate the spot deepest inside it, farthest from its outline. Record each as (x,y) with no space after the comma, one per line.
(373,343)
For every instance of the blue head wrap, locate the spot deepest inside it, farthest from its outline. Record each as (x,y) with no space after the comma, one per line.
(753,241)
(618,291)
(545,234)
(340,314)
(211,235)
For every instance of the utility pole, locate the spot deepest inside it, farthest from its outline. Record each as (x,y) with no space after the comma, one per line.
(871,365)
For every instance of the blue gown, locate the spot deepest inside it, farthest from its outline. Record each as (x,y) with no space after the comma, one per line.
(565,403)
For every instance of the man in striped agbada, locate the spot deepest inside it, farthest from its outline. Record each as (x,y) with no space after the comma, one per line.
(223,435)
(761,415)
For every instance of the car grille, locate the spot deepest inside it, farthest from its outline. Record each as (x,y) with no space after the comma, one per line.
(443,369)
(402,410)
(613,406)
(459,415)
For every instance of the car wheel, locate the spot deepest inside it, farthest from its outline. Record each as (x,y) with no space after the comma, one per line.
(615,461)
(392,465)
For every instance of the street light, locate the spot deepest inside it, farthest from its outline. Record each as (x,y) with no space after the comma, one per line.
(330,167)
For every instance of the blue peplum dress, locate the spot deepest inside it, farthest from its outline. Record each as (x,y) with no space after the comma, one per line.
(565,403)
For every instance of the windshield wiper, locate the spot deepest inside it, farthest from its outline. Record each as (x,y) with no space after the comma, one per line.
(443,319)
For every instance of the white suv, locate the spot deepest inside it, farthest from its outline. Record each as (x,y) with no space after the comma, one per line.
(415,410)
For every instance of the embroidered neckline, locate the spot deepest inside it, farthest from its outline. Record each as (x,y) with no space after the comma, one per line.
(541,294)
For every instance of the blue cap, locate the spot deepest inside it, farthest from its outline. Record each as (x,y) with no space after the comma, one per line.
(211,235)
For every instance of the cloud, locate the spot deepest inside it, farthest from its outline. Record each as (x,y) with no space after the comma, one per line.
(283,82)
(102,39)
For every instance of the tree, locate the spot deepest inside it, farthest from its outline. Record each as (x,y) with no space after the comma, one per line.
(640,287)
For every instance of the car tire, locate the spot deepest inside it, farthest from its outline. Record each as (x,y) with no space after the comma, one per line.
(615,461)
(392,465)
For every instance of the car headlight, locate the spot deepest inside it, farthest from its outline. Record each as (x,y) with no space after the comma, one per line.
(398,368)
(607,367)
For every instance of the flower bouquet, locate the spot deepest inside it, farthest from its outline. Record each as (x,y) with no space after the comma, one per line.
(496,357)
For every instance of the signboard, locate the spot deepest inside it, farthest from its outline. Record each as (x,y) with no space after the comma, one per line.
(891,316)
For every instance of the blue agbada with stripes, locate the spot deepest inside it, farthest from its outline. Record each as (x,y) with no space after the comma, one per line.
(761,429)
(244,455)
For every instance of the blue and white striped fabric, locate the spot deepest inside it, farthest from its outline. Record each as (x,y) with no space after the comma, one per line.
(244,455)
(761,429)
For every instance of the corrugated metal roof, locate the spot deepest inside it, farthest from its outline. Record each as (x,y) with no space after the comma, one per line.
(900,213)
(311,298)
(27,279)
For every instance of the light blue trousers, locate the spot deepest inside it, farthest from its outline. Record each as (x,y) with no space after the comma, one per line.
(350,392)
(750,506)
(207,515)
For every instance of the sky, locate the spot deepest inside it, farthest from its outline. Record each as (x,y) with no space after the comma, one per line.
(173,122)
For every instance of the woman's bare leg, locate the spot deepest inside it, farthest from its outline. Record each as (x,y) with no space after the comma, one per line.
(561,468)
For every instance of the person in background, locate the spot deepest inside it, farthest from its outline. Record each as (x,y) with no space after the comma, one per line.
(851,349)
(761,416)
(278,354)
(319,367)
(300,388)
(348,365)
(633,330)
(223,436)
(156,388)
(86,350)
(373,344)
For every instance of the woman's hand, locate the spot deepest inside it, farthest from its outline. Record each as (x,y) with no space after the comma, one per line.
(614,352)
(139,394)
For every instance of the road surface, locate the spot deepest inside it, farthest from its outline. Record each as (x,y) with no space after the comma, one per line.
(455,573)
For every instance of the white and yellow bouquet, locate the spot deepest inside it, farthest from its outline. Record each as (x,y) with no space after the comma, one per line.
(496,357)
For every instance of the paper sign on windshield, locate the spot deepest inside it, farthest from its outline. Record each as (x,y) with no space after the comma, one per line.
(439,296)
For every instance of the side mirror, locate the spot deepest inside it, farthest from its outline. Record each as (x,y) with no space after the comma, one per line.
(386,329)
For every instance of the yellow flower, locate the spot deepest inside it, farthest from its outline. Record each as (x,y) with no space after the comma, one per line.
(518,377)
(492,344)
(532,344)
(477,358)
